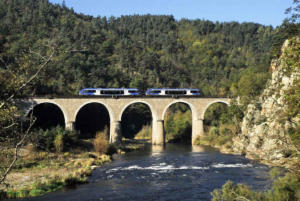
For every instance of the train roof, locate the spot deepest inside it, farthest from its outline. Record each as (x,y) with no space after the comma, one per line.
(174,89)
(109,88)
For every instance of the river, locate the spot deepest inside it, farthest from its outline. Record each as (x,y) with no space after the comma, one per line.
(174,172)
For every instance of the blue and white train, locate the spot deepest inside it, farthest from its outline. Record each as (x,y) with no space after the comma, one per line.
(110,92)
(173,92)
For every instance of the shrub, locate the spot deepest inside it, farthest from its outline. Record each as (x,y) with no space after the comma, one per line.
(239,192)
(59,143)
(55,139)
(100,142)
(144,133)
(285,188)
(219,135)
(112,149)
(2,195)
(178,126)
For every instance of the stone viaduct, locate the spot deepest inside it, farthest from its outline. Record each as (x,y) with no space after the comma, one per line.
(116,106)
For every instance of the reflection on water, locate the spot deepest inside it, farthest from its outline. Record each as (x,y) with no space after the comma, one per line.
(197,148)
(157,148)
(172,172)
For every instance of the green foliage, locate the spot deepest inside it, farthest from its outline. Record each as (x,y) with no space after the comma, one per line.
(59,143)
(276,172)
(219,136)
(234,113)
(3,194)
(294,134)
(178,123)
(130,51)
(37,189)
(292,95)
(285,188)
(144,133)
(53,139)
(216,114)
(251,85)
(239,192)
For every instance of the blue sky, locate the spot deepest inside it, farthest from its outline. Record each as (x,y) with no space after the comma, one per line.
(267,12)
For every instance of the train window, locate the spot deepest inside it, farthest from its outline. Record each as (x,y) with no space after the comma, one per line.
(194,91)
(90,91)
(132,91)
(175,92)
(155,92)
(112,92)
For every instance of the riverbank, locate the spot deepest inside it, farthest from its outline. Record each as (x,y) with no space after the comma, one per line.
(43,172)
(226,147)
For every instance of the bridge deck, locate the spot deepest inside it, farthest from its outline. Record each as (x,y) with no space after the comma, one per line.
(119,97)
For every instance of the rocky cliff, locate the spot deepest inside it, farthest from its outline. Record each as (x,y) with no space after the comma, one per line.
(264,130)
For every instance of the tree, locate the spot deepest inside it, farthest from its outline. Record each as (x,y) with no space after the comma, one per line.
(294,12)
(12,135)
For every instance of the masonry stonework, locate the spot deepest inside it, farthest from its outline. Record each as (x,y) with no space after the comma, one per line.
(116,106)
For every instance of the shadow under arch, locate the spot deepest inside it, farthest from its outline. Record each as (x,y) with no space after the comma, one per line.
(134,117)
(48,115)
(90,118)
(178,119)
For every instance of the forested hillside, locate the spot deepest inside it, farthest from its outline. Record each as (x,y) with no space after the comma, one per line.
(130,51)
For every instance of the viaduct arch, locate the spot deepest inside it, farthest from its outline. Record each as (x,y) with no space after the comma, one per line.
(116,107)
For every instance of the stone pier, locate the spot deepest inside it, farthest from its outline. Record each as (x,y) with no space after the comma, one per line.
(116,106)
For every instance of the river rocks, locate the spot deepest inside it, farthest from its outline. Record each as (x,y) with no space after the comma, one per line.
(264,131)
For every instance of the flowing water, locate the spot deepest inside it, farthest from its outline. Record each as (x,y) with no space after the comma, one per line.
(174,172)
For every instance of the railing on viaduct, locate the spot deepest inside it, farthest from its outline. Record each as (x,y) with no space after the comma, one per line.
(116,106)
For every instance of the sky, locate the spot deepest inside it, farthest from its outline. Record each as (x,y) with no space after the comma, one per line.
(266,12)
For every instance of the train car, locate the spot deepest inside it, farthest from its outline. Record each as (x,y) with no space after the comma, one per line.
(172,92)
(109,92)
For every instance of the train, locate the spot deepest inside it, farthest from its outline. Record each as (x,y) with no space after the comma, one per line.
(109,92)
(174,92)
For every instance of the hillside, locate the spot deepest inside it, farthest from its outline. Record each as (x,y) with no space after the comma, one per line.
(130,51)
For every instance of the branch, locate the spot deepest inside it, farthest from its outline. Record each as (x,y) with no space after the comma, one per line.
(2,179)
(74,50)
(33,76)
(11,125)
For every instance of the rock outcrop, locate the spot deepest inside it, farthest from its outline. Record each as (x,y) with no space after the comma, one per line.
(264,131)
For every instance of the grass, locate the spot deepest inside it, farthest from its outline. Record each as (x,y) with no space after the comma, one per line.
(51,172)
(220,137)
(38,172)
(145,133)
(129,145)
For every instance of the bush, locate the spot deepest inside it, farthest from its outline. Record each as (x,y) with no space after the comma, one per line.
(112,149)
(59,143)
(239,192)
(178,125)
(100,142)
(144,133)
(219,136)
(55,139)
(2,195)
(285,188)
